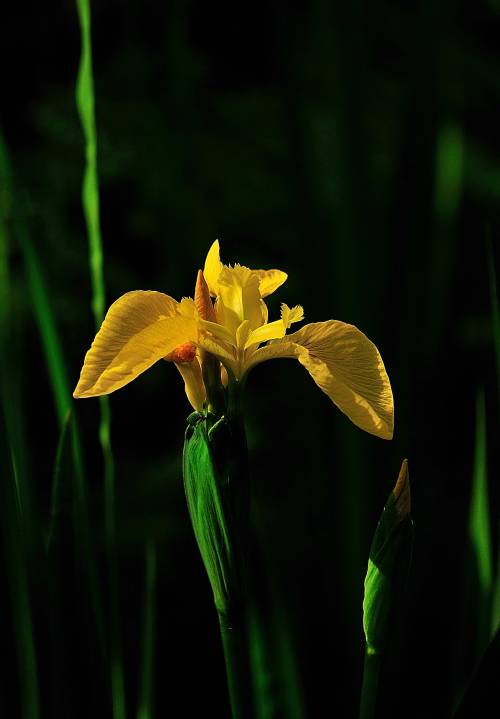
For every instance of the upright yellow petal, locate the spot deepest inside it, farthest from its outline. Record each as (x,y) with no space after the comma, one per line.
(213,268)
(239,295)
(270,280)
(346,365)
(139,329)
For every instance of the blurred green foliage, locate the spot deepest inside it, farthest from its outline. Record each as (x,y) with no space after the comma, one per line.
(354,146)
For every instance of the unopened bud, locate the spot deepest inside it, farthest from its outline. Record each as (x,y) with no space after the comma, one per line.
(202,299)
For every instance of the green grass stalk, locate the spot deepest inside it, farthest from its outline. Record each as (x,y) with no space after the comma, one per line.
(85,101)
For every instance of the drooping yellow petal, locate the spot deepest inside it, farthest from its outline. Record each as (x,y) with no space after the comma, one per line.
(347,366)
(213,268)
(139,329)
(270,280)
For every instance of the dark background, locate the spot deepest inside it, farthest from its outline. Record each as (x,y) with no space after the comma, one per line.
(354,146)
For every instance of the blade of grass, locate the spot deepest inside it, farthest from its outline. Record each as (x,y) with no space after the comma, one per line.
(479,526)
(145,709)
(90,200)
(15,559)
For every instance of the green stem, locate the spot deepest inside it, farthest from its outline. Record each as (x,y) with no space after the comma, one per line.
(369,690)
(235,644)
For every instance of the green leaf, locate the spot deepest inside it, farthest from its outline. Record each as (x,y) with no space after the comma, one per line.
(388,565)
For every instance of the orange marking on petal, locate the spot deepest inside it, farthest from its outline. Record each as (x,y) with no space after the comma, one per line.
(183,353)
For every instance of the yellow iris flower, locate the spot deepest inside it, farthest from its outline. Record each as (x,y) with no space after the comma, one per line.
(143,327)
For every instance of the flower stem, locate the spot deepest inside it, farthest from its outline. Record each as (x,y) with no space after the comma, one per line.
(369,690)
(235,644)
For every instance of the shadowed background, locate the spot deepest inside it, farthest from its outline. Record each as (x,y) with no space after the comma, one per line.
(355,148)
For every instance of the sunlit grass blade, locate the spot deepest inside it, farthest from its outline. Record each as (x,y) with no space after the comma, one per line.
(15,559)
(90,200)
(145,708)
(90,190)
(479,527)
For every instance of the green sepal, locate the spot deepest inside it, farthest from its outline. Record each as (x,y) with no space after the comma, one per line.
(388,565)
(215,487)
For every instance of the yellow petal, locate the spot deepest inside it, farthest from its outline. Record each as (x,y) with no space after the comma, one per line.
(242,334)
(272,331)
(280,349)
(186,307)
(289,316)
(139,329)
(218,331)
(193,383)
(347,366)
(222,350)
(219,348)
(239,295)
(264,312)
(270,280)
(213,268)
